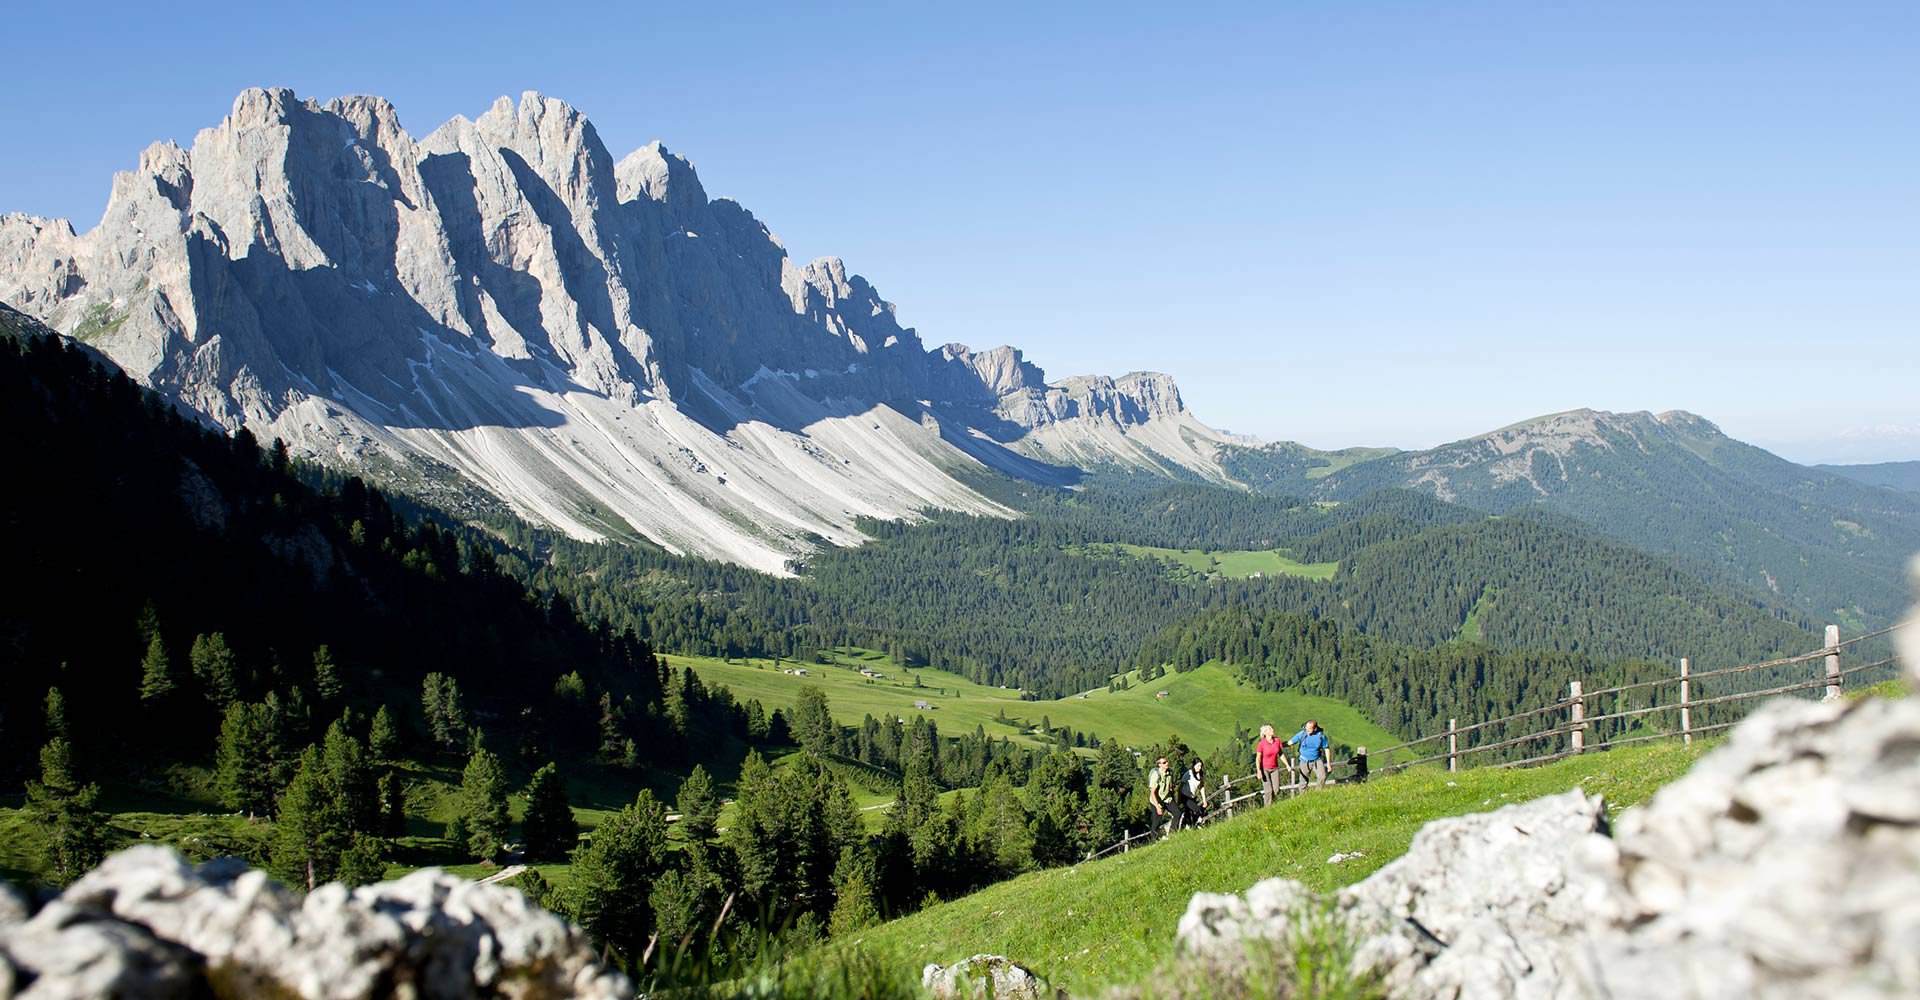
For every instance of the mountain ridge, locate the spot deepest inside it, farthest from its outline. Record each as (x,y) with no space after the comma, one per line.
(1674,483)
(597,344)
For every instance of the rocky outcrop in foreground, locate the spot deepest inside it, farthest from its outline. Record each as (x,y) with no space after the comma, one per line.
(1785,864)
(148,924)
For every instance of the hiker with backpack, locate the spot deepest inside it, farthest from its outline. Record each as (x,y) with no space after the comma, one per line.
(1313,744)
(1160,795)
(1193,795)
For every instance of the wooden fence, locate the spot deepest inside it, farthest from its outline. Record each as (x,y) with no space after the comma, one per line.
(1575,723)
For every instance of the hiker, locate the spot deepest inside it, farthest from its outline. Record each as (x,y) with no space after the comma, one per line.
(1160,795)
(1313,754)
(1193,795)
(1267,755)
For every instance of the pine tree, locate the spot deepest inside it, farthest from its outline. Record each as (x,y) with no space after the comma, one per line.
(813,723)
(382,737)
(216,668)
(350,778)
(326,676)
(446,718)
(61,809)
(243,761)
(611,875)
(157,680)
(482,821)
(362,862)
(855,891)
(310,831)
(393,805)
(549,830)
(683,901)
(699,806)
(56,715)
(611,740)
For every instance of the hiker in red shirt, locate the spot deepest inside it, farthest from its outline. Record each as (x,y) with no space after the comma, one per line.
(1267,763)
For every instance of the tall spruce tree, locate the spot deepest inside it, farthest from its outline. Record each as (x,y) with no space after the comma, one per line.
(856,885)
(549,830)
(699,806)
(813,722)
(61,810)
(446,717)
(382,737)
(54,711)
(157,680)
(327,683)
(244,760)
(216,668)
(482,819)
(351,778)
(310,832)
(393,805)
(613,873)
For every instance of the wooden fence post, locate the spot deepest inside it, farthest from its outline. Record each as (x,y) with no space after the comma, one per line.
(1579,717)
(1226,795)
(1126,837)
(1686,714)
(1833,662)
(1453,745)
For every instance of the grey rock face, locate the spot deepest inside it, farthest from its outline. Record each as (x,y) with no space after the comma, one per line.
(600,344)
(1786,864)
(984,977)
(147,924)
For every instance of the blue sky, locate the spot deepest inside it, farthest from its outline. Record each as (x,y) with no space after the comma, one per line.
(1339,223)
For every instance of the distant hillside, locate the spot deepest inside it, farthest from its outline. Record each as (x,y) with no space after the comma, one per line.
(1896,475)
(1833,547)
(1045,603)
(1289,467)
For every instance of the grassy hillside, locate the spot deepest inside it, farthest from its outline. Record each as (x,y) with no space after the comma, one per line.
(1092,926)
(1223,564)
(1202,705)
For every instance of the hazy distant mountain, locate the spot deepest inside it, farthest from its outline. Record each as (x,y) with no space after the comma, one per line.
(1673,482)
(1895,475)
(501,310)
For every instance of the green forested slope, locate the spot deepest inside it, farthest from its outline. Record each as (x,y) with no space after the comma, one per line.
(1831,547)
(1037,603)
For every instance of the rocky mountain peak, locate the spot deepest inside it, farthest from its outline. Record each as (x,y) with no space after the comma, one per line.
(656,173)
(598,344)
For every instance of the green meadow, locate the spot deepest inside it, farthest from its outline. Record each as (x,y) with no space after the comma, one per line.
(1226,564)
(1203,706)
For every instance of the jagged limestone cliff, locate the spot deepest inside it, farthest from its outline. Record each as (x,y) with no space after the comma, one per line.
(502,310)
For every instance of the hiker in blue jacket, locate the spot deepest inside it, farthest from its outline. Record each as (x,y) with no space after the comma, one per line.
(1313,754)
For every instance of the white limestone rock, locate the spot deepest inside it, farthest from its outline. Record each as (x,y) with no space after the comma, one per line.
(1785,864)
(984,977)
(148,924)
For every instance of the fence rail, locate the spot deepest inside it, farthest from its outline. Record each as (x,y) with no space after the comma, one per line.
(1576,727)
